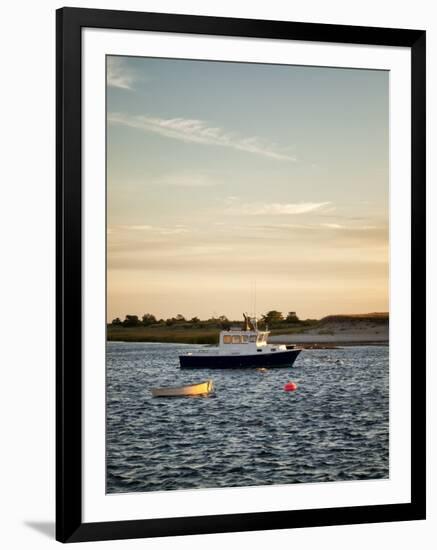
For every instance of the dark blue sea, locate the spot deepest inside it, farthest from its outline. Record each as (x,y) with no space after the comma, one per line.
(334,427)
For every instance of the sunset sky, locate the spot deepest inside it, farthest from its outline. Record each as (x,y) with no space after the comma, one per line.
(223,174)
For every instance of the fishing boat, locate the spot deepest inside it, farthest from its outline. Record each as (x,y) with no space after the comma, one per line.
(241,348)
(203,388)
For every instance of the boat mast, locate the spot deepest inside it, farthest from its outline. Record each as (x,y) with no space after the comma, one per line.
(254,299)
(250,323)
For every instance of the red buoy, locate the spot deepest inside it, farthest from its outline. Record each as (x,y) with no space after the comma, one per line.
(290,386)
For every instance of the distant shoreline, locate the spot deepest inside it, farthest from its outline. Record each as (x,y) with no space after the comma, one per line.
(331,331)
(334,339)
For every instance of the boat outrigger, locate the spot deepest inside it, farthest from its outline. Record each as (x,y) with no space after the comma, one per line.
(241,348)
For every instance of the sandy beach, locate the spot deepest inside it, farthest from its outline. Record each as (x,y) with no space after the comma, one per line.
(338,333)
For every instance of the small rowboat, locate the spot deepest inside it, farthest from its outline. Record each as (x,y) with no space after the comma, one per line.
(204,388)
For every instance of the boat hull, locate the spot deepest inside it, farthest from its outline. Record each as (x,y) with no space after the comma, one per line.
(204,388)
(270,360)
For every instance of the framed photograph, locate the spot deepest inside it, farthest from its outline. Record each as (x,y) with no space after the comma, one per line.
(240,275)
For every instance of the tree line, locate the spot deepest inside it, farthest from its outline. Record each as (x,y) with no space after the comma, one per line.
(272,318)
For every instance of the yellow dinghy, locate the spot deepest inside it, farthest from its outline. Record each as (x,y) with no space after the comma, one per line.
(203,388)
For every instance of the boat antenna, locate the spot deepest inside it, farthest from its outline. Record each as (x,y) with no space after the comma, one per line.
(253,308)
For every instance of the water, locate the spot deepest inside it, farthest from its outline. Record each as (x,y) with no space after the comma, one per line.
(251,432)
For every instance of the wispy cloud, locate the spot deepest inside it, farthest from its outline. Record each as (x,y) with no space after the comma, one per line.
(119,75)
(276,208)
(198,131)
(349,227)
(177,229)
(332,225)
(358,237)
(186,179)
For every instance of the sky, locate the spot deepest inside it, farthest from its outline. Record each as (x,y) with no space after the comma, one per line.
(223,178)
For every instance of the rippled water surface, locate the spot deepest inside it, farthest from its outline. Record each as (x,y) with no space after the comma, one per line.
(251,432)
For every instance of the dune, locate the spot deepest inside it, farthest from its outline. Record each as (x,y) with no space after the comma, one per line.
(370,328)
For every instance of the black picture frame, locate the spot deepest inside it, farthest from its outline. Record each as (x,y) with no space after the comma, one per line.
(69,525)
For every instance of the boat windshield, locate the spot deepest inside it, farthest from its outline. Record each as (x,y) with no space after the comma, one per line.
(235,339)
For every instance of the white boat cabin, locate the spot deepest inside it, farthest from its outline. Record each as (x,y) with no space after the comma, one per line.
(247,341)
(243,342)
